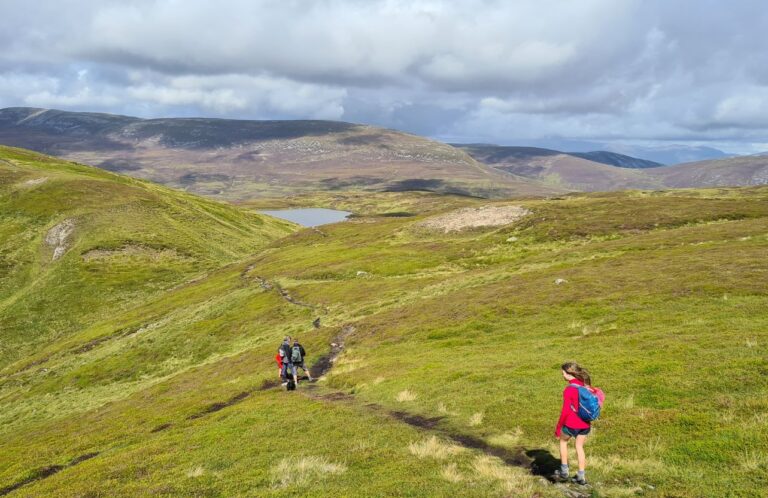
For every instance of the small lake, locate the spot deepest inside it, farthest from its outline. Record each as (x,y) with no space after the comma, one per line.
(309,217)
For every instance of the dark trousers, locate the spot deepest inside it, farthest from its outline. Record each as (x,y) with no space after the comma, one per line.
(288,367)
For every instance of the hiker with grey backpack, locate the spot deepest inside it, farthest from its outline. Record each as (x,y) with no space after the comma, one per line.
(298,358)
(581,406)
(288,372)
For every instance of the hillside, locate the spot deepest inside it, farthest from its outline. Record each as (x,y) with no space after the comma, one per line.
(241,159)
(743,170)
(586,171)
(560,169)
(616,159)
(78,244)
(438,353)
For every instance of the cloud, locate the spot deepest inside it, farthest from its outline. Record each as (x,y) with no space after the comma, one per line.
(496,70)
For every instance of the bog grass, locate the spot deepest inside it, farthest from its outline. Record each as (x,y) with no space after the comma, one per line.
(160,367)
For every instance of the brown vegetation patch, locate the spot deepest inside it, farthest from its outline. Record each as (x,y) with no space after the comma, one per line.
(134,251)
(486,216)
(35,181)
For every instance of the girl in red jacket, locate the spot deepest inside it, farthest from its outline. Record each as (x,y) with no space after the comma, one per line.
(279,360)
(570,425)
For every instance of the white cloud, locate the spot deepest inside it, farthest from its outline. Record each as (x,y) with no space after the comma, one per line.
(486,68)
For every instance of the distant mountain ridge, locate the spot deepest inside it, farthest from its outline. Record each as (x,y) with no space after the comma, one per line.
(242,159)
(239,160)
(575,171)
(741,170)
(666,153)
(562,169)
(522,152)
(616,159)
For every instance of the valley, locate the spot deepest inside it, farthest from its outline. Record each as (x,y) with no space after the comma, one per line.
(141,359)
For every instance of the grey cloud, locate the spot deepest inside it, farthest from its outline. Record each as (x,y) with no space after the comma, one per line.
(494,70)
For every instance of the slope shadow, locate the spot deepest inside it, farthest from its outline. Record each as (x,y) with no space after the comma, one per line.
(45,472)
(220,405)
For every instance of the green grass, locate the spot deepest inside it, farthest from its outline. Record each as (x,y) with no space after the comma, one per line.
(664,301)
(172,237)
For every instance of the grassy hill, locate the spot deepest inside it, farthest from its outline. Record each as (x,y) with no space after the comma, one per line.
(243,159)
(78,244)
(443,376)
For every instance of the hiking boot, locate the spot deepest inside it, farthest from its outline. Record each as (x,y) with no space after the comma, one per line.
(559,476)
(580,482)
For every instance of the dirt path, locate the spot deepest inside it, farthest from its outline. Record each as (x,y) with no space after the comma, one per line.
(538,461)
(267,285)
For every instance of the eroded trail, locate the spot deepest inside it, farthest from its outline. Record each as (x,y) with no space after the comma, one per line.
(538,461)
(268,286)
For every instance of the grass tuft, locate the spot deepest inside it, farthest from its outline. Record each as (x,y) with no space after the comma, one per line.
(405,395)
(511,480)
(476,419)
(451,473)
(302,471)
(196,472)
(753,461)
(432,447)
(507,439)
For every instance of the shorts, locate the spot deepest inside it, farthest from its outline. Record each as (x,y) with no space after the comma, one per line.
(575,432)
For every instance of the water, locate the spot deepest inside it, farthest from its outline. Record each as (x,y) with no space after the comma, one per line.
(309,217)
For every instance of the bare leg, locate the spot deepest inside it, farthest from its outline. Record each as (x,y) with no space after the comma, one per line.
(564,449)
(580,440)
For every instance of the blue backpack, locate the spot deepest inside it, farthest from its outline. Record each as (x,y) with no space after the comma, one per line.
(589,404)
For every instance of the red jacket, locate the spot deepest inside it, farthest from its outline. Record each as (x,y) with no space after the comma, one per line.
(279,360)
(568,415)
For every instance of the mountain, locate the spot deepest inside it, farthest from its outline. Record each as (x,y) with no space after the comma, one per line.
(662,154)
(669,154)
(560,169)
(83,244)
(615,159)
(568,171)
(140,361)
(741,170)
(240,159)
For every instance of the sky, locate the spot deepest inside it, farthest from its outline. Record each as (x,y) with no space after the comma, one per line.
(506,72)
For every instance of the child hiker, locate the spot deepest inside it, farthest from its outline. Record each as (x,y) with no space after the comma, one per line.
(581,405)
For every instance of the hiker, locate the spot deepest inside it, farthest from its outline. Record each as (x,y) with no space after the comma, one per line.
(285,354)
(298,357)
(581,405)
(279,360)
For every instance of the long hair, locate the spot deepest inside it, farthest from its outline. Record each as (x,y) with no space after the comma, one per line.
(573,368)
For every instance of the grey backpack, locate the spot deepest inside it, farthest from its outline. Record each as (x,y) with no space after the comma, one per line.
(296,354)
